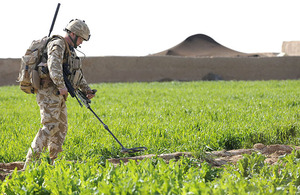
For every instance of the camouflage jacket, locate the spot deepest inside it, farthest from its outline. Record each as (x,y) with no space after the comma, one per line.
(56,50)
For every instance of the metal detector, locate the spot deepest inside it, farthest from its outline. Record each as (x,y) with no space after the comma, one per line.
(87,102)
(124,150)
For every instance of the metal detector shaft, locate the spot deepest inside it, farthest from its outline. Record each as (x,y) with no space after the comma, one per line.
(105,126)
(82,97)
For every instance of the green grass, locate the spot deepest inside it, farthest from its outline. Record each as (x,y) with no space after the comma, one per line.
(154,176)
(164,117)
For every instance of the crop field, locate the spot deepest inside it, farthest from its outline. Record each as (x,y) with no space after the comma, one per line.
(164,117)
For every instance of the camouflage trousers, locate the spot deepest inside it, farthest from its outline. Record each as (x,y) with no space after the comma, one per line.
(53,113)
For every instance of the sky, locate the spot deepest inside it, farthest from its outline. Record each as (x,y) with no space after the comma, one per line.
(143,27)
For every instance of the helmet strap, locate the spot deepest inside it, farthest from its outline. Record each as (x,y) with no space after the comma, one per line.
(74,41)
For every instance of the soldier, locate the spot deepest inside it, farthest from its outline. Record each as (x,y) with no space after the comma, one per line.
(53,93)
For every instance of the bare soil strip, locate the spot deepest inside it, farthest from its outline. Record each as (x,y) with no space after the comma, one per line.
(215,158)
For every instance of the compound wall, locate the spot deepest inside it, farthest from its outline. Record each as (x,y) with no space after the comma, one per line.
(166,68)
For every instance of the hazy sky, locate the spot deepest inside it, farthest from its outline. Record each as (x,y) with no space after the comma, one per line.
(142,27)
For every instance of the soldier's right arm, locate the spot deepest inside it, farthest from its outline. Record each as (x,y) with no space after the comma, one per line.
(56,50)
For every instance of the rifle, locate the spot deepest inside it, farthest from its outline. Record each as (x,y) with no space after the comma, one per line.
(75,93)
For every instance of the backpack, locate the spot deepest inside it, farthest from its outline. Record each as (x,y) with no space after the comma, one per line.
(35,56)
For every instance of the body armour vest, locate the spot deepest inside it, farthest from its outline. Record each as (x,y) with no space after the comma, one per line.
(75,71)
(62,58)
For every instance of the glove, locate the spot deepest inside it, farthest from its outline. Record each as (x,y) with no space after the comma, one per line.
(91,93)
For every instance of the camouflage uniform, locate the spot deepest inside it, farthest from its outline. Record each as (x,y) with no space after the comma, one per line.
(53,108)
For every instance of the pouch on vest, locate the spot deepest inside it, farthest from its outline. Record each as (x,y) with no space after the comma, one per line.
(76,63)
(77,76)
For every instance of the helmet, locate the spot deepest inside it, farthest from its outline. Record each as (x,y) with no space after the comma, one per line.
(79,28)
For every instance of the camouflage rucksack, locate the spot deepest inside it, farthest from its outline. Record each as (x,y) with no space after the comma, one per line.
(35,56)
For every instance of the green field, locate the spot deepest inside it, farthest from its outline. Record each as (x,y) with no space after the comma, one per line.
(164,117)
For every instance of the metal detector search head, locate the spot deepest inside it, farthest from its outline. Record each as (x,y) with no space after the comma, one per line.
(133,150)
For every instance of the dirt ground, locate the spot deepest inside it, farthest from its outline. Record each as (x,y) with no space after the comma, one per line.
(215,158)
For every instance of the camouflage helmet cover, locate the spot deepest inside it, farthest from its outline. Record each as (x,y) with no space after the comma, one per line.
(79,28)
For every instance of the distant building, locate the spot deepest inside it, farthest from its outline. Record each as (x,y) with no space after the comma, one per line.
(291,48)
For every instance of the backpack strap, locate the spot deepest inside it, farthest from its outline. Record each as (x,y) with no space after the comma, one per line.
(67,50)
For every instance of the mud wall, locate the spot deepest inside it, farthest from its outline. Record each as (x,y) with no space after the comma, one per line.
(165,68)
(291,48)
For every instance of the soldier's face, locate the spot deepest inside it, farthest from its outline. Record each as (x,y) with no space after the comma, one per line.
(79,41)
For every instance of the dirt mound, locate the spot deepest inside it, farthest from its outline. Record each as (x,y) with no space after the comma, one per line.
(220,158)
(7,168)
(215,158)
(201,45)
